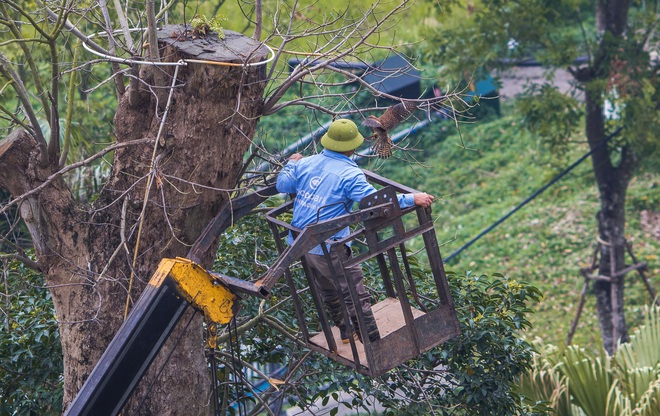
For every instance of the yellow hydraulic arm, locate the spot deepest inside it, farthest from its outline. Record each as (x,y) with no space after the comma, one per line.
(176,284)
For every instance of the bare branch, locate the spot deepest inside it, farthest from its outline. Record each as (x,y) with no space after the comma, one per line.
(18,38)
(11,116)
(152,37)
(112,46)
(84,38)
(71,167)
(124,27)
(343,42)
(258,19)
(29,263)
(69,111)
(28,16)
(7,70)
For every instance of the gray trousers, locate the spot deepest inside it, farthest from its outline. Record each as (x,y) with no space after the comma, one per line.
(326,285)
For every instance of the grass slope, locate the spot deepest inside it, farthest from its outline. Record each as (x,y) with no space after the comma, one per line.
(494,166)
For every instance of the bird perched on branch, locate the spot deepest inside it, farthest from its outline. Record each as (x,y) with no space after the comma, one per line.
(381,126)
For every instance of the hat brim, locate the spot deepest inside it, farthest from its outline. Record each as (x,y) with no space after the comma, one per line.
(341,146)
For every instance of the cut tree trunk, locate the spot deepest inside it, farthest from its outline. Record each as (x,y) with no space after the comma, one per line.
(86,252)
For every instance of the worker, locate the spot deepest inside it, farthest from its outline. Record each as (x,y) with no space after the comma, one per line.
(326,186)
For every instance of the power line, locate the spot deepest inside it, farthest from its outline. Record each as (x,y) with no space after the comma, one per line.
(530,198)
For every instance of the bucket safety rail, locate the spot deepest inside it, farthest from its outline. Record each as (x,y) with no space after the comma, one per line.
(406,331)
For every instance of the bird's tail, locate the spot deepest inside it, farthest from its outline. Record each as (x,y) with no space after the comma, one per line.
(383,148)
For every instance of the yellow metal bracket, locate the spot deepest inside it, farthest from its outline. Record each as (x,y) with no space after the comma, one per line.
(198,287)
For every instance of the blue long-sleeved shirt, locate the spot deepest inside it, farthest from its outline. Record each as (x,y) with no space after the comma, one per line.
(327,185)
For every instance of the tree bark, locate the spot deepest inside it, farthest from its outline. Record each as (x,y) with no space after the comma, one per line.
(612,181)
(612,185)
(86,252)
(612,15)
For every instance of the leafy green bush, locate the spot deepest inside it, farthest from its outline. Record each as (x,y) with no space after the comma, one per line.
(31,366)
(474,373)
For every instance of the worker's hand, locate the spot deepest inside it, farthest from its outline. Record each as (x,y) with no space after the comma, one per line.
(295,157)
(423,199)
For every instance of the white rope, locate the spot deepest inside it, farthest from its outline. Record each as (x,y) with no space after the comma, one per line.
(182,62)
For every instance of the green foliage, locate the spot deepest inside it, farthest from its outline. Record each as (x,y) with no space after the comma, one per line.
(588,378)
(201,25)
(551,115)
(472,374)
(31,366)
(618,73)
(492,34)
(543,384)
(635,91)
(626,384)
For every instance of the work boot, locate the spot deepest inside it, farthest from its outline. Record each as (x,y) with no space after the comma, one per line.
(372,327)
(344,333)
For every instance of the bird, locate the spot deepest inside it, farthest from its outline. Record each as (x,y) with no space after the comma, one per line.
(381,126)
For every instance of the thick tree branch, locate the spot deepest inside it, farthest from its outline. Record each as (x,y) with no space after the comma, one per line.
(124,27)
(54,121)
(7,70)
(29,263)
(112,46)
(69,110)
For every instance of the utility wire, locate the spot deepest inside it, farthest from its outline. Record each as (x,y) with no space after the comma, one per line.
(534,195)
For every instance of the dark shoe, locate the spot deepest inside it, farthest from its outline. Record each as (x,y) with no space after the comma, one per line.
(344,333)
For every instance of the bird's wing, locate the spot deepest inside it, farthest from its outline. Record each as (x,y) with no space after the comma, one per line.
(372,123)
(395,114)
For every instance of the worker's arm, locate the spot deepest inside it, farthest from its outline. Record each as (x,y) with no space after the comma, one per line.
(423,199)
(358,187)
(286,179)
